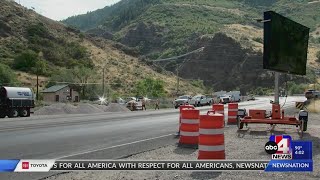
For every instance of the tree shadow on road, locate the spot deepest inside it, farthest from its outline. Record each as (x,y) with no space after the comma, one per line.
(205,175)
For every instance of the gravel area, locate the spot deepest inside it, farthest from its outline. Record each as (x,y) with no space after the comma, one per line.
(245,144)
(82,108)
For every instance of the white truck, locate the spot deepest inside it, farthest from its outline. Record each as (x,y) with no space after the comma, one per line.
(16,101)
(235,96)
(182,100)
(232,96)
(217,95)
(201,100)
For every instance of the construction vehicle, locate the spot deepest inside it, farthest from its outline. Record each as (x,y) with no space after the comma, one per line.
(16,101)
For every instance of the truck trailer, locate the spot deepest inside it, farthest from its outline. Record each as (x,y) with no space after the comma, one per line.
(16,101)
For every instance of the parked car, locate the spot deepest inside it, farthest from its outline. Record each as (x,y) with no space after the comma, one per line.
(225,99)
(201,100)
(134,105)
(310,94)
(182,100)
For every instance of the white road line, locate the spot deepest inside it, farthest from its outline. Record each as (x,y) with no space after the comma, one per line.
(105,148)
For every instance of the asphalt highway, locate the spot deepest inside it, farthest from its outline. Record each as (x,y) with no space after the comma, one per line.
(96,136)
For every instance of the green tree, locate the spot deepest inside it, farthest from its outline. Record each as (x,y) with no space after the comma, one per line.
(26,61)
(40,67)
(294,88)
(150,87)
(84,75)
(7,76)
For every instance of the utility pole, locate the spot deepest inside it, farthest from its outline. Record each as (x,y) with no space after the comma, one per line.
(103,80)
(178,82)
(37,84)
(40,55)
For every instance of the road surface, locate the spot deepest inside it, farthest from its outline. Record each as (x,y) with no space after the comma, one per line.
(95,136)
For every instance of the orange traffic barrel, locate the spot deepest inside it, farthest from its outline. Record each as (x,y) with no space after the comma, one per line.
(211,136)
(189,128)
(218,108)
(180,109)
(232,113)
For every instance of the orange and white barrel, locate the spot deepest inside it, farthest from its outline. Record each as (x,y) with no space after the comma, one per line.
(232,113)
(218,108)
(189,128)
(211,137)
(180,109)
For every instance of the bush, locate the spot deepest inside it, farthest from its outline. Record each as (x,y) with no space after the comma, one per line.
(198,83)
(7,76)
(39,29)
(294,88)
(150,87)
(25,61)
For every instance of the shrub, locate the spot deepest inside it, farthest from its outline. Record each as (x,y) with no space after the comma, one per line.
(7,76)
(25,61)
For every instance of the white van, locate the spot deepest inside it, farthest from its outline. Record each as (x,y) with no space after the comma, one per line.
(235,96)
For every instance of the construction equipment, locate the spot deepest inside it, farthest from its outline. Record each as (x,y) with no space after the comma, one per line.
(16,101)
(276,117)
(278,59)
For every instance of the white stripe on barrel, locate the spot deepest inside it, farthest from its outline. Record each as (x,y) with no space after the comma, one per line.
(211,148)
(220,112)
(190,121)
(210,131)
(184,133)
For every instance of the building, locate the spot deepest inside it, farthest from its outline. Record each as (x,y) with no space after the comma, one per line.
(60,93)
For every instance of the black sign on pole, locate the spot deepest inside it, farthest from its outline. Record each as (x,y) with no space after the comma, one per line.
(285,44)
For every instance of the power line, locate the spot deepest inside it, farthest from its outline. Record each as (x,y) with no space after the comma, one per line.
(177,57)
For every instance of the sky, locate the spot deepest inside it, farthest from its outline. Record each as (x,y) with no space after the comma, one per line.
(62,9)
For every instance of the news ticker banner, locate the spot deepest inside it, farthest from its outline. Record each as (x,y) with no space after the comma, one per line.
(209,165)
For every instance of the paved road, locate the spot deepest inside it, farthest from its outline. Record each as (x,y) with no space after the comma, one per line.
(95,136)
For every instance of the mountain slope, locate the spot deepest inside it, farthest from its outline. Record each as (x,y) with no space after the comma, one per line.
(167,28)
(24,33)
(177,22)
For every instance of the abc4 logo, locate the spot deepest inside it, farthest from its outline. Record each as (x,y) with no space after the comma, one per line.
(281,147)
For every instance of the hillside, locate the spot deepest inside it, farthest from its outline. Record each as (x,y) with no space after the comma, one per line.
(177,21)
(26,36)
(166,28)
